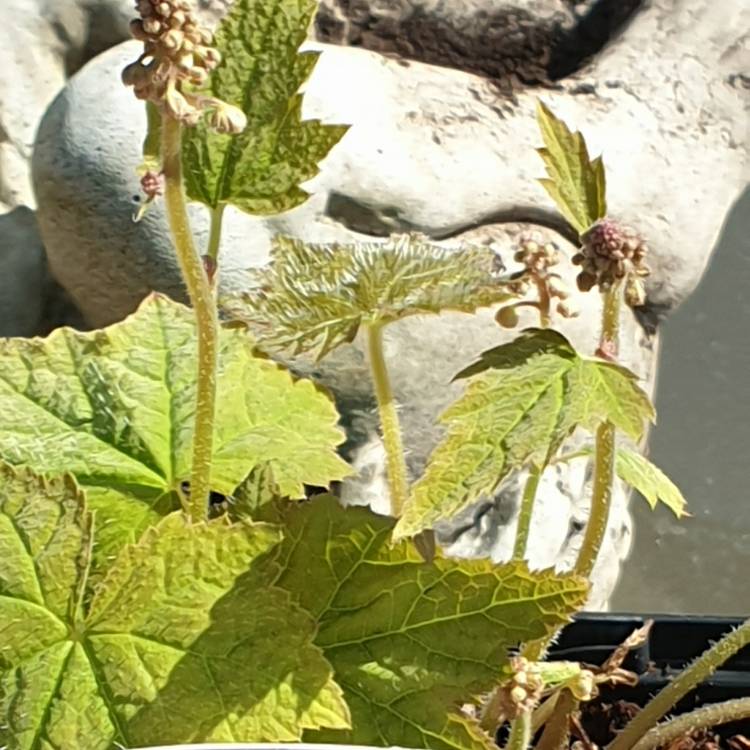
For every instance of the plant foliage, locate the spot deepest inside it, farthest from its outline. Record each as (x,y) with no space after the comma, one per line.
(261,169)
(115,408)
(408,640)
(576,182)
(524,399)
(643,476)
(184,639)
(650,481)
(316,297)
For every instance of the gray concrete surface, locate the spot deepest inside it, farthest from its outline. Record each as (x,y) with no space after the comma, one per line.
(702,440)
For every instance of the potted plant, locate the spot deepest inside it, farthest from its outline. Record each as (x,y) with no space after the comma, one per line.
(166,580)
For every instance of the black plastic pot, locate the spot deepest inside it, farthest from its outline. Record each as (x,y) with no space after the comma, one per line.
(674,641)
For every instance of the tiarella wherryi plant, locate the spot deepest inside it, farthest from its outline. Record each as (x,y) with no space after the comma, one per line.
(133,613)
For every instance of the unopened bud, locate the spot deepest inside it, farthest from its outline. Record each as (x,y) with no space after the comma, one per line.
(173,40)
(585,281)
(635,292)
(152,26)
(179,107)
(507,317)
(227,119)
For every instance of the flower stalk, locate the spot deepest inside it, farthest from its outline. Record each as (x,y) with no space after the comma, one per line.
(202,299)
(604,448)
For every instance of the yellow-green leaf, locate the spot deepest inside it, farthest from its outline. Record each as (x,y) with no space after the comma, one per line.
(410,641)
(650,481)
(576,182)
(317,296)
(184,640)
(524,400)
(116,407)
(260,170)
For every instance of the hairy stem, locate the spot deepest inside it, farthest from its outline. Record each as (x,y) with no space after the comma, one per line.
(701,718)
(389,423)
(201,297)
(526,511)
(604,449)
(601,499)
(520,732)
(214,237)
(702,668)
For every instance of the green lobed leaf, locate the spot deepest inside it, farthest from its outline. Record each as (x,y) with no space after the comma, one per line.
(643,476)
(315,297)
(655,486)
(186,639)
(261,169)
(576,183)
(410,641)
(115,408)
(525,399)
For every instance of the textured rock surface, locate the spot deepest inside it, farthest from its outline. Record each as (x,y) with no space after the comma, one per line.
(446,149)
(42,43)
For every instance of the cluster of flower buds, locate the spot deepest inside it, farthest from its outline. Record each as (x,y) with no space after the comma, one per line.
(523,690)
(177,54)
(612,253)
(537,257)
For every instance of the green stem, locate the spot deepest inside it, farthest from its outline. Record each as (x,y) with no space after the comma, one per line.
(214,237)
(526,511)
(389,423)
(601,499)
(702,668)
(207,324)
(604,450)
(520,732)
(705,717)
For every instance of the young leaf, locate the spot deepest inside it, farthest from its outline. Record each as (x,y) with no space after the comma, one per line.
(317,296)
(185,639)
(644,477)
(260,170)
(115,408)
(525,399)
(576,183)
(655,486)
(408,640)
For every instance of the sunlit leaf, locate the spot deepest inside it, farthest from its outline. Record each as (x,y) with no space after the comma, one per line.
(315,297)
(524,400)
(260,171)
(576,182)
(116,407)
(643,476)
(410,641)
(184,640)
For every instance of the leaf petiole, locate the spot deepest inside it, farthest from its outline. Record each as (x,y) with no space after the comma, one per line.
(389,422)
